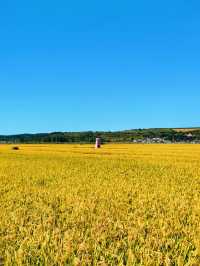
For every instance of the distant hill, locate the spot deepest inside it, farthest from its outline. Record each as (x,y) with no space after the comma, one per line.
(126,136)
(192,129)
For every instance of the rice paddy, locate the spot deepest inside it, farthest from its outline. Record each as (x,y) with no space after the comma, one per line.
(118,205)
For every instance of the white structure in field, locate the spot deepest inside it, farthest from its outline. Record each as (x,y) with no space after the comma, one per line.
(98,143)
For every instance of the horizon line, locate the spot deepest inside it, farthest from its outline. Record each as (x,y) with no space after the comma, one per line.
(84,131)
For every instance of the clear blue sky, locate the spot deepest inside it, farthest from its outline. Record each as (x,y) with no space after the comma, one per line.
(99,65)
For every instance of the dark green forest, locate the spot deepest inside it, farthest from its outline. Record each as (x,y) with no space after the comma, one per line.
(157,135)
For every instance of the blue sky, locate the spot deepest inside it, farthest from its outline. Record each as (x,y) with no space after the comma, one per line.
(99,65)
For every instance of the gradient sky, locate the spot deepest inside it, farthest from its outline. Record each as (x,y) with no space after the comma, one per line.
(99,65)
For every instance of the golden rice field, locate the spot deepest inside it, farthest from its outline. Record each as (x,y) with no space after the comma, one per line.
(119,205)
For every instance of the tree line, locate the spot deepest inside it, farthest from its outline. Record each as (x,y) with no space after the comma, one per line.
(127,136)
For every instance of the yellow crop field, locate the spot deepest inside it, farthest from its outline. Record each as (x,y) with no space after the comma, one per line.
(118,205)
